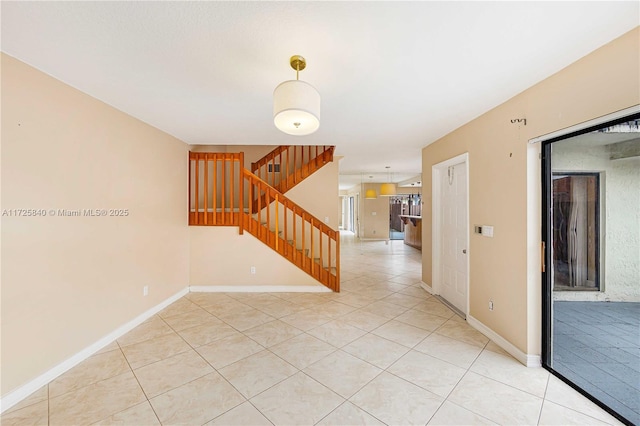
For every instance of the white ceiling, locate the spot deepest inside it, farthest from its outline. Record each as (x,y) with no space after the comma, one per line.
(393,76)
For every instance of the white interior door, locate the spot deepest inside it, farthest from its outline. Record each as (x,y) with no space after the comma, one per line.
(454,236)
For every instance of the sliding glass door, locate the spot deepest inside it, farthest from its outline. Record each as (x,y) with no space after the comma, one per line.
(591,283)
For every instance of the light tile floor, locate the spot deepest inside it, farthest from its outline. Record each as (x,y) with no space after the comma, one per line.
(380,352)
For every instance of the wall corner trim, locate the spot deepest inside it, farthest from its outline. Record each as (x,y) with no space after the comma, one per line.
(528,360)
(258,289)
(17,395)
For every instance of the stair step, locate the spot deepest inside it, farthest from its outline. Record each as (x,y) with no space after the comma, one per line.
(290,242)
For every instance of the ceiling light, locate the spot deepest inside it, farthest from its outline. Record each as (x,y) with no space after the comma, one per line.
(370,194)
(388,189)
(296,104)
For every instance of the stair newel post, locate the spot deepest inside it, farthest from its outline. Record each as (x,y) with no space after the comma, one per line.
(281,171)
(215,189)
(286,166)
(231,164)
(259,208)
(329,256)
(241,193)
(295,222)
(190,221)
(197,206)
(295,164)
(321,254)
(303,246)
(285,233)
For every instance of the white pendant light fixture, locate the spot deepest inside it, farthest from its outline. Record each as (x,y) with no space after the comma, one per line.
(296,104)
(388,189)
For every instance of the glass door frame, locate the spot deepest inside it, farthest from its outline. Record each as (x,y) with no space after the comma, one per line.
(547,241)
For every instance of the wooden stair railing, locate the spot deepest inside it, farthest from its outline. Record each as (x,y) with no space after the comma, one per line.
(287,165)
(222,193)
(216,196)
(293,232)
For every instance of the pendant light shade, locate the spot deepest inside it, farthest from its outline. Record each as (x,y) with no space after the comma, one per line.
(388,189)
(296,108)
(370,194)
(296,104)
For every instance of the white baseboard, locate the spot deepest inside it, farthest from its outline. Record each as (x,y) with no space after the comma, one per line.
(526,359)
(259,289)
(426,287)
(14,397)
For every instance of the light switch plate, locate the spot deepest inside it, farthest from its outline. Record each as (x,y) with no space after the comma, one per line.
(487,230)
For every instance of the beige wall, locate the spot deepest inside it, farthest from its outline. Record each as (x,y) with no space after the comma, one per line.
(374,214)
(504,182)
(69,281)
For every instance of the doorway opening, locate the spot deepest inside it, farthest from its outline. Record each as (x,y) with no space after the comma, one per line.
(591,283)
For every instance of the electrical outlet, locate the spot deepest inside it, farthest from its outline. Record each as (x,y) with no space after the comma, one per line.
(373,213)
(491,305)
(253,270)
(145,290)
(374,232)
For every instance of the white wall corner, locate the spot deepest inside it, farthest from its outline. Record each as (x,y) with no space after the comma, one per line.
(529,360)
(14,397)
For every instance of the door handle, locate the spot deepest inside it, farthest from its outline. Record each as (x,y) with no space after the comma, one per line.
(464,251)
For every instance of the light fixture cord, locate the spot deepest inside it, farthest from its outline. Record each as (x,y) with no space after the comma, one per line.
(297,70)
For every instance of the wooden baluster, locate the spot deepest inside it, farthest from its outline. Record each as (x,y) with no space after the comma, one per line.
(259,208)
(267,205)
(206,187)
(241,193)
(232,203)
(295,223)
(285,233)
(313,263)
(250,201)
(295,164)
(215,188)
(286,167)
(190,171)
(320,235)
(329,254)
(197,188)
(281,171)
(277,224)
(303,245)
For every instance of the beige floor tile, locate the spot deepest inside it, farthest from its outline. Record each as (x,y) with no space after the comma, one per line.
(375,291)
(306,320)
(244,414)
(141,414)
(416,291)
(428,372)
(343,373)
(495,401)
(242,321)
(229,350)
(507,370)
(180,306)
(449,350)
(364,320)
(189,319)
(451,414)
(421,319)
(281,308)
(150,329)
(462,331)
(303,350)
(257,372)
(397,402)
(564,395)
(299,400)
(402,333)
(356,300)
(307,300)
(493,347)
(222,308)
(434,307)
(333,309)
(36,414)
(403,299)
(95,402)
(92,370)
(406,280)
(349,414)
(385,309)
(40,395)
(196,402)
(208,332)
(260,300)
(272,333)
(110,347)
(554,414)
(337,333)
(172,372)
(376,350)
(203,299)
(148,351)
